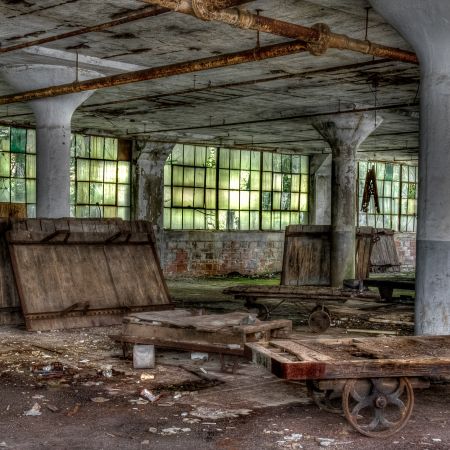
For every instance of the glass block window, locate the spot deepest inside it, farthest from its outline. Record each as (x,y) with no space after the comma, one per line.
(100,178)
(18,167)
(222,189)
(397,192)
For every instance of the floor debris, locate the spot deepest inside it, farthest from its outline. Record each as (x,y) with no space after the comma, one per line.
(204,412)
(34,411)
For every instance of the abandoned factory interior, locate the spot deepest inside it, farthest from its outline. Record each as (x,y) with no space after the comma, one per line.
(225,224)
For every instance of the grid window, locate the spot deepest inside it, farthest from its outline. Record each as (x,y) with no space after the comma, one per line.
(18,167)
(397,193)
(223,189)
(100,178)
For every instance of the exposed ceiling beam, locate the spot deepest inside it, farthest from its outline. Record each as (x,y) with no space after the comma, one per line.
(212,87)
(396,106)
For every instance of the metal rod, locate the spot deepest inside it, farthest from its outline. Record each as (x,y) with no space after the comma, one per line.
(319,36)
(245,56)
(147,12)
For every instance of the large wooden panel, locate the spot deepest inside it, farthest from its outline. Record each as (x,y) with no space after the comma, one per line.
(73,273)
(384,254)
(306,258)
(9,298)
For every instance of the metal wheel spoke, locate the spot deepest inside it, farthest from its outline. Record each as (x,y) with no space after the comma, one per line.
(397,402)
(375,421)
(387,423)
(364,403)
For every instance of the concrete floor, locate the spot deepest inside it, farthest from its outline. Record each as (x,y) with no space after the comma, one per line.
(200,406)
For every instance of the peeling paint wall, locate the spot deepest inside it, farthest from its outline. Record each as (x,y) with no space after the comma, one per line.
(148,180)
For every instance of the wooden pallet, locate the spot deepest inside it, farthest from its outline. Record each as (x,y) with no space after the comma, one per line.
(182,329)
(327,359)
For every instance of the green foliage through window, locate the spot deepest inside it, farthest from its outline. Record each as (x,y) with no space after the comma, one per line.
(222,189)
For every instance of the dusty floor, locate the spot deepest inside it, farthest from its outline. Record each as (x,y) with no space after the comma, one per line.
(95,402)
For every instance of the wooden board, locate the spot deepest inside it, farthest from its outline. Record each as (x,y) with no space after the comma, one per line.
(322,359)
(300,293)
(306,257)
(10,311)
(182,329)
(82,272)
(13,210)
(384,253)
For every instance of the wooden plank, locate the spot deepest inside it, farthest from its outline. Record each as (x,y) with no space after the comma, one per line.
(13,210)
(302,352)
(306,257)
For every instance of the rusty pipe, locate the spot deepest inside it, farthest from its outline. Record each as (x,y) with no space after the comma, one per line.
(319,37)
(92,29)
(214,62)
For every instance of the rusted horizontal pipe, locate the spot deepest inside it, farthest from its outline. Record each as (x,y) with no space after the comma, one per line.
(148,12)
(231,59)
(319,37)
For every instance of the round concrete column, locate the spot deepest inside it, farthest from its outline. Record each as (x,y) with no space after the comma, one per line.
(53,130)
(425,25)
(344,133)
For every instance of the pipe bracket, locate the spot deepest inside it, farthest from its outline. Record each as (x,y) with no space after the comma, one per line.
(320,46)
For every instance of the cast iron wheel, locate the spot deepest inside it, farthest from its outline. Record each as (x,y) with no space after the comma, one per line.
(263,312)
(328,400)
(319,320)
(378,407)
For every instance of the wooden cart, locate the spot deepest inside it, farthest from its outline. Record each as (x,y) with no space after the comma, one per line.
(315,298)
(369,380)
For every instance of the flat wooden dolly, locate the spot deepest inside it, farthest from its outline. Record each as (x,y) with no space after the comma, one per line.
(369,380)
(319,315)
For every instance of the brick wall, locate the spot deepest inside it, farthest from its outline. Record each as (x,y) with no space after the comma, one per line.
(204,253)
(406,250)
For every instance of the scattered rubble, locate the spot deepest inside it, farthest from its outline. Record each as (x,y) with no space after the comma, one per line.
(34,411)
(204,412)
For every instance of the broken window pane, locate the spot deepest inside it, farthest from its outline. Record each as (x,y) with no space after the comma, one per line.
(17,165)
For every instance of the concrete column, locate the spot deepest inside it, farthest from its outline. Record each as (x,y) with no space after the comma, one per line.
(53,131)
(344,133)
(425,25)
(150,158)
(320,189)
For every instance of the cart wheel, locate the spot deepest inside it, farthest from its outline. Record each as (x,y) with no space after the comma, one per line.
(319,320)
(263,312)
(378,407)
(328,400)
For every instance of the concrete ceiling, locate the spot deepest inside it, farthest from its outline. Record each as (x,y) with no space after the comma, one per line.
(266,105)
